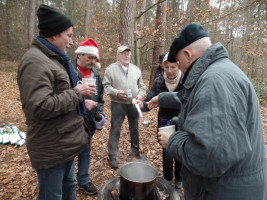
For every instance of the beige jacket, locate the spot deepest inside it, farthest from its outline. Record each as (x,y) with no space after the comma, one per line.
(116,78)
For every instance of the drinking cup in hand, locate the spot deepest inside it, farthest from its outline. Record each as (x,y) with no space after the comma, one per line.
(167,129)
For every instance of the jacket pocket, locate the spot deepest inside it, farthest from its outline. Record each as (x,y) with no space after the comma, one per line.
(61,81)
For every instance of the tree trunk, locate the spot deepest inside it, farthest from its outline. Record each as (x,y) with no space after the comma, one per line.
(9,41)
(216,22)
(159,38)
(136,38)
(87,18)
(142,18)
(192,4)
(31,28)
(126,30)
(74,11)
(113,5)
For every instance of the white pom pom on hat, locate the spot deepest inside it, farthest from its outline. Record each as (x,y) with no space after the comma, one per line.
(89,47)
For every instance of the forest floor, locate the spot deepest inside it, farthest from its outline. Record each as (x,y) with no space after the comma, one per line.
(19,180)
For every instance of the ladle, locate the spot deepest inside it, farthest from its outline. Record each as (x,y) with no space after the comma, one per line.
(144,122)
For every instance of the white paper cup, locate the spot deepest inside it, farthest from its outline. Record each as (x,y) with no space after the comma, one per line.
(167,129)
(89,81)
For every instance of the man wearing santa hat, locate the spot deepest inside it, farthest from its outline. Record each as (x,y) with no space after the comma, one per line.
(85,64)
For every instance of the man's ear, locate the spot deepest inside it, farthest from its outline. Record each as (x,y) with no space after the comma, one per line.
(188,55)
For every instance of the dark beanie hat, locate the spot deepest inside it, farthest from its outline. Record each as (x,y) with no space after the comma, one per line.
(51,22)
(161,58)
(188,35)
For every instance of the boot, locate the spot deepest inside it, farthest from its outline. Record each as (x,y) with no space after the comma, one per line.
(138,155)
(113,163)
(178,187)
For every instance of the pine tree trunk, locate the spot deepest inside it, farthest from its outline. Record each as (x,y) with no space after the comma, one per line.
(87,18)
(126,31)
(159,39)
(31,28)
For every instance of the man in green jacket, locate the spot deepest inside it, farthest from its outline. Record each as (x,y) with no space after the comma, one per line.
(122,82)
(220,134)
(54,106)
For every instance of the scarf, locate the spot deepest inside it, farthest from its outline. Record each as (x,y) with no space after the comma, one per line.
(172,84)
(81,109)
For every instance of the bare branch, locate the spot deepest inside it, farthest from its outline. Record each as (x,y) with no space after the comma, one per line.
(159,1)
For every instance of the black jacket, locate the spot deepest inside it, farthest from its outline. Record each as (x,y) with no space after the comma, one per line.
(89,117)
(158,87)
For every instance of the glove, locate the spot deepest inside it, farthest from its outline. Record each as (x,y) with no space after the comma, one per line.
(99,121)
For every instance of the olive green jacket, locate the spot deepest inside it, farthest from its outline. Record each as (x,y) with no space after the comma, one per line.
(55,132)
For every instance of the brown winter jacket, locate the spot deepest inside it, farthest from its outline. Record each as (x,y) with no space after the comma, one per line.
(55,132)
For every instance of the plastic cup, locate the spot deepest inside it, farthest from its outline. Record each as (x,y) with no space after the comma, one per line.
(167,129)
(128,93)
(89,81)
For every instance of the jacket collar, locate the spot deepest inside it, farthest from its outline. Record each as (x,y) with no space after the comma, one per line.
(213,53)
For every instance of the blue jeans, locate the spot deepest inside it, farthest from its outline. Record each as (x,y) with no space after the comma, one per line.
(84,159)
(57,183)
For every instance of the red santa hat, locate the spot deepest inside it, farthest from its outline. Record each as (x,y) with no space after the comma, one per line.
(89,47)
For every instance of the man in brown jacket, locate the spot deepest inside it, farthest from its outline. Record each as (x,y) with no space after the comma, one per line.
(54,105)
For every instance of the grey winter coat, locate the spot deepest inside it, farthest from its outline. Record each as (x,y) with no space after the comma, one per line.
(55,132)
(220,139)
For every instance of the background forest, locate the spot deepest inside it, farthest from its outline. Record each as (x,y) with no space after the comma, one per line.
(148,27)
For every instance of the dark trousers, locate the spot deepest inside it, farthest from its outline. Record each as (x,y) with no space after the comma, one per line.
(168,167)
(118,113)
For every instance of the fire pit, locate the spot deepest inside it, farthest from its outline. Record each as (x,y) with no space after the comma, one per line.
(137,181)
(163,190)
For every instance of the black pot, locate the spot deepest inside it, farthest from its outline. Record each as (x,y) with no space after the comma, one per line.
(137,181)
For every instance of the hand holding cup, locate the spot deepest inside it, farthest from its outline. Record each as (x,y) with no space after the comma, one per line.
(164,134)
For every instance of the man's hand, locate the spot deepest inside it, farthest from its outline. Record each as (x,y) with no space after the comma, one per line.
(90,104)
(138,97)
(153,103)
(87,90)
(121,95)
(140,103)
(163,138)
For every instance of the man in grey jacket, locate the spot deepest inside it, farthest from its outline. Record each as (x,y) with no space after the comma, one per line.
(54,105)
(220,134)
(122,82)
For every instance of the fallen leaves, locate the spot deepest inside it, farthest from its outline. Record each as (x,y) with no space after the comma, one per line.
(19,180)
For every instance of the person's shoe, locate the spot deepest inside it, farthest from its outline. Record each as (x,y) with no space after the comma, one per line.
(178,187)
(138,155)
(89,188)
(113,163)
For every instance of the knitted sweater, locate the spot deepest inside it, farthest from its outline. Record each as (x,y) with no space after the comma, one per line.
(116,78)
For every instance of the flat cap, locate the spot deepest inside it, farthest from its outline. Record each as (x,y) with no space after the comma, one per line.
(188,35)
(122,49)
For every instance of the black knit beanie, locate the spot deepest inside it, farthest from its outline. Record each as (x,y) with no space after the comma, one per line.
(51,22)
